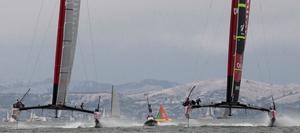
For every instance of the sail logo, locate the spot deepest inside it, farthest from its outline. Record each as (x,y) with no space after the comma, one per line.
(235,11)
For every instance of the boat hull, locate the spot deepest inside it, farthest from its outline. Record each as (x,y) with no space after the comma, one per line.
(151,123)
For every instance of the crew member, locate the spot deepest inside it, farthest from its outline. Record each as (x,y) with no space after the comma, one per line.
(97,118)
(198,101)
(82,105)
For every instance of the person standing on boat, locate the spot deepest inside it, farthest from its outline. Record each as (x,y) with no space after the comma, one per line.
(97,118)
(198,101)
(272,113)
(18,104)
(82,105)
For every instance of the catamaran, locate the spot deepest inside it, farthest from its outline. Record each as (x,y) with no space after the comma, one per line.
(240,10)
(67,30)
(150,118)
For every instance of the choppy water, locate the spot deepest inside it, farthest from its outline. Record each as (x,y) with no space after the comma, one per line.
(163,129)
(285,125)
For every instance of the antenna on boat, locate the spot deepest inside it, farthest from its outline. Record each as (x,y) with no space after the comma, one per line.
(22,98)
(148,103)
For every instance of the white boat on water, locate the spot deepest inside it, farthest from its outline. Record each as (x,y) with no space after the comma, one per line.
(33,117)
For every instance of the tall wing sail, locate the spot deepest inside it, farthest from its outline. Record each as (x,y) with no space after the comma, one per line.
(239,36)
(115,105)
(66,44)
(231,50)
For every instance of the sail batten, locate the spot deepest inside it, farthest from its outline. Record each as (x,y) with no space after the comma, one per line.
(65,49)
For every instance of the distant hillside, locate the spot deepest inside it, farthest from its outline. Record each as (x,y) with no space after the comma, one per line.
(167,93)
(45,86)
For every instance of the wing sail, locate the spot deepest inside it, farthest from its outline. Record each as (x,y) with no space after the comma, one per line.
(231,50)
(243,19)
(68,45)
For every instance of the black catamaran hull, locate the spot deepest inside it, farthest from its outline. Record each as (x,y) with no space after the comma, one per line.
(57,107)
(237,105)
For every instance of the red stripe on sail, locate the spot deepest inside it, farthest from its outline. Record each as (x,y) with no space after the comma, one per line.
(59,41)
(231,49)
(232,37)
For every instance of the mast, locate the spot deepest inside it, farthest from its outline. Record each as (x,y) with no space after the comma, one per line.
(237,39)
(59,46)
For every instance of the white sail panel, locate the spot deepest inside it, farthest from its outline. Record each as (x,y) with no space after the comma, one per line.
(69,46)
(115,105)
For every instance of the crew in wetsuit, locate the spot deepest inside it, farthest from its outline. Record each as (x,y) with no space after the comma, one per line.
(18,104)
(198,101)
(82,105)
(191,102)
(272,115)
(186,102)
(97,118)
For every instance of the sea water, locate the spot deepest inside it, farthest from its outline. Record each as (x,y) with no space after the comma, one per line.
(285,125)
(159,129)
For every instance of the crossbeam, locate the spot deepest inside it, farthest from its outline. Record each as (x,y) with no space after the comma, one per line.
(234,105)
(56,107)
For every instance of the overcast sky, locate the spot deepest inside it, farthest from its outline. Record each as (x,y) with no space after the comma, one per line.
(130,40)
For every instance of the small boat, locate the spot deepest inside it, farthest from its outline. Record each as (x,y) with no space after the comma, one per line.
(150,121)
(33,117)
(150,118)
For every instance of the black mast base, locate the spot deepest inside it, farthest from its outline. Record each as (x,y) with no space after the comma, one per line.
(57,107)
(231,105)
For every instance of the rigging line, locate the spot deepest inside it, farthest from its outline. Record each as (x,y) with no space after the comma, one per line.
(216,29)
(261,18)
(258,64)
(91,40)
(81,56)
(37,21)
(205,31)
(42,42)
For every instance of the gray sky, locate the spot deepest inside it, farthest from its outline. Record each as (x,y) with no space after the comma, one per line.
(176,40)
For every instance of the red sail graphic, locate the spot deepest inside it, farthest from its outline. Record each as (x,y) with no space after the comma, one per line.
(237,41)
(59,46)
(162,115)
